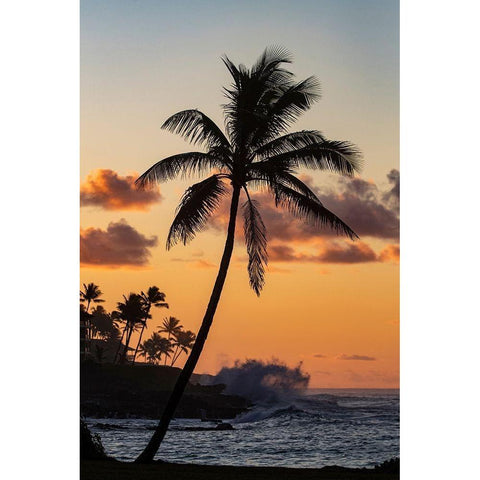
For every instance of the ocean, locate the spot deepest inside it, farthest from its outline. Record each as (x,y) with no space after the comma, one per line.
(345,427)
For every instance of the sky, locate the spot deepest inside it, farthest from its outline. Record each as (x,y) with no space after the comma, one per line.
(328,303)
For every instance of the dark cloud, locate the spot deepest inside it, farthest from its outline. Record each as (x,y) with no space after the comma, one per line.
(320,355)
(356,357)
(358,252)
(330,252)
(106,189)
(392,197)
(362,206)
(367,210)
(118,246)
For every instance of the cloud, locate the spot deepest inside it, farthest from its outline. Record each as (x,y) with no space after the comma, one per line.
(320,355)
(362,206)
(358,252)
(356,357)
(118,246)
(391,253)
(199,263)
(392,197)
(369,211)
(330,252)
(106,189)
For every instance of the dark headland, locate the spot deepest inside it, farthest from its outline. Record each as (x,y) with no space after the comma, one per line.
(141,391)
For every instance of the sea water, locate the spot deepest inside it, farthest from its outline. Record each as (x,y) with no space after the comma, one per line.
(345,427)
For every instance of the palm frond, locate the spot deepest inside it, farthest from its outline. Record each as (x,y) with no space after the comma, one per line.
(196,127)
(289,142)
(256,240)
(196,205)
(272,57)
(183,165)
(311,210)
(336,156)
(292,100)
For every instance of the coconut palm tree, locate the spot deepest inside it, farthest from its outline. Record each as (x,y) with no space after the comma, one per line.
(256,152)
(184,341)
(163,345)
(90,293)
(154,347)
(171,326)
(132,313)
(153,297)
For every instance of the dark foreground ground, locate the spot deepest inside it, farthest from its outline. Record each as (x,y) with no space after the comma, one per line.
(112,470)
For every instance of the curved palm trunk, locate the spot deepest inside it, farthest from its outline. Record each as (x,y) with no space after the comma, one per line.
(120,343)
(123,357)
(140,339)
(151,449)
(165,355)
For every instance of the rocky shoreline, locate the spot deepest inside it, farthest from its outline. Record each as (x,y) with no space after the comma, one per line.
(141,391)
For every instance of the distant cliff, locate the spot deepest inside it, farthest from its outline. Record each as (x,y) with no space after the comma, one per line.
(123,391)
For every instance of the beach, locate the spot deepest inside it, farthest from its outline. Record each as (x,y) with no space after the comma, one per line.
(107,470)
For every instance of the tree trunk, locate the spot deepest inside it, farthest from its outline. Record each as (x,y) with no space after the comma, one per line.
(139,341)
(151,449)
(120,343)
(123,357)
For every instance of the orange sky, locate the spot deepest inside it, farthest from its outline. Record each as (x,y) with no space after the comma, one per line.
(326,303)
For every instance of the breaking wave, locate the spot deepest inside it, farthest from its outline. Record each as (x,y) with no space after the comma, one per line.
(263,382)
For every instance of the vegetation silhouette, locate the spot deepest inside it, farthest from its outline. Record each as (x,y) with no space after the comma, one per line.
(184,341)
(153,297)
(134,312)
(256,152)
(131,312)
(90,293)
(171,326)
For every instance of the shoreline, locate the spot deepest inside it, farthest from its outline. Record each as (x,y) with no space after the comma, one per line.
(114,469)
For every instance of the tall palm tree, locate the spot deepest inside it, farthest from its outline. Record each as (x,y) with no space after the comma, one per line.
(132,313)
(153,297)
(256,152)
(184,341)
(90,293)
(171,326)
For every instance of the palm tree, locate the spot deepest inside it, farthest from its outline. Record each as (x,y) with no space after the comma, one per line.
(154,347)
(153,297)
(256,152)
(170,325)
(132,313)
(163,345)
(90,293)
(184,341)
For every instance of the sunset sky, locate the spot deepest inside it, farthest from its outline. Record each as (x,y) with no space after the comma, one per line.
(328,303)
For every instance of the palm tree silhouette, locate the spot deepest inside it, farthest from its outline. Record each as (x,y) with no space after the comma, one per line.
(257,152)
(90,293)
(184,341)
(153,297)
(170,325)
(131,312)
(154,347)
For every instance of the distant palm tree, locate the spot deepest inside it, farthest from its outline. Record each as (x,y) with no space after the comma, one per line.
(184,341)
(154,347)
(153,297)
(90,293)
(171,326)
(132,313)
(163,345)
(257,152)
